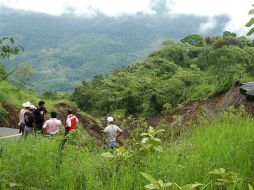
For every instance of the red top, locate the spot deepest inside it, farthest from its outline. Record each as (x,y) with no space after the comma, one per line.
(71,122)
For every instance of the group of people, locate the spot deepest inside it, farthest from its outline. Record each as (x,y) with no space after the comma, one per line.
(34,118)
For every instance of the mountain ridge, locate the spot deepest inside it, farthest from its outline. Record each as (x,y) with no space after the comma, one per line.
(66,50)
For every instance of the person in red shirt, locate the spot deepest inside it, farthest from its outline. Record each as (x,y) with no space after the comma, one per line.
(71,122)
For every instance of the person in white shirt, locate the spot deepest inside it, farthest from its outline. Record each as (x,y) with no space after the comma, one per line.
(21,124)
(52,126)
(112,132)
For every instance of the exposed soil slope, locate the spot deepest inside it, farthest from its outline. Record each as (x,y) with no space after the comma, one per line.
(212,106)
(12,118)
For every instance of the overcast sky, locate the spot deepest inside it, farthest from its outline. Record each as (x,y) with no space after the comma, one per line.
(236,9)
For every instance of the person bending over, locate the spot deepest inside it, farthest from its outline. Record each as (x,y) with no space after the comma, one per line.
(52,126)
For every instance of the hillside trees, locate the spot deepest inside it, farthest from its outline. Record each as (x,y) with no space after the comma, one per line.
(176,73)
(7,49)
(195,40)
(24,74)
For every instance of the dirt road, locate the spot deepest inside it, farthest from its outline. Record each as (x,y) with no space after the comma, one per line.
(8,132)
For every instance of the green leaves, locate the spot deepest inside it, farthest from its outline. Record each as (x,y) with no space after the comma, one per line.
(7,49)
(159,184)
(225,178)
(191,186)
(250,23)
(155,184)
(250,187)
(148,177)
(107,155)
(250,32)
(119,153)
(158,148)
(150,142)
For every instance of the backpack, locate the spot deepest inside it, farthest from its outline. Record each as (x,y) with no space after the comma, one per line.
(28,119)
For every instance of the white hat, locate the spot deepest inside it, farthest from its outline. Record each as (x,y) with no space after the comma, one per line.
(26,105)
(33,107)
(110,119)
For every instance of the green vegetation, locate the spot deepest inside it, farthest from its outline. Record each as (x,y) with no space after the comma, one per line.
(193,161)
(251,22)
(24,74)
(7,50)
(194,68)
(65,50)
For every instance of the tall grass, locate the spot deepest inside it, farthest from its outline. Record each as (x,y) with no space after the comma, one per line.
(226,142)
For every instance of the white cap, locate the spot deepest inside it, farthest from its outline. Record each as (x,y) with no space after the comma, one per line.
(26,105)
(33,107)
(110,119)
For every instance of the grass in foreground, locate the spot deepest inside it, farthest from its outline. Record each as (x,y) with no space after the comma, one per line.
(226,142)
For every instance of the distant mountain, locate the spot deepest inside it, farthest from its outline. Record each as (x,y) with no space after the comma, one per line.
(68,49)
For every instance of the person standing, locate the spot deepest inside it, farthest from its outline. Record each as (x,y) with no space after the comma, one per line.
(40,115)
(113,132)
(71,122)
(52,126)
(29,120)
(21,117)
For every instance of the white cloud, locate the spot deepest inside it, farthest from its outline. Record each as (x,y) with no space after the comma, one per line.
(209,25)
(236,9)
(82,7)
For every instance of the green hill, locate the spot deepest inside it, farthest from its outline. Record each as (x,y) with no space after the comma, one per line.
(67,49)
(196,67)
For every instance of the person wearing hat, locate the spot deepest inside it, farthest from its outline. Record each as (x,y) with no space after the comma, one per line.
(25,109)
(112,132)
(29,120)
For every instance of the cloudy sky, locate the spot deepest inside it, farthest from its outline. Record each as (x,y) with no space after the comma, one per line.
(236,9)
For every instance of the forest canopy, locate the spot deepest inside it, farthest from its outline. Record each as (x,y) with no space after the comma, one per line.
(197,66)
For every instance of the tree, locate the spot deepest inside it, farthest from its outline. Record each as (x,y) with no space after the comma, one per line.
(229,34)
(132,104)
(251,22)
(195,40)
(7,49)
(84,97)
(155,105)
(24,74)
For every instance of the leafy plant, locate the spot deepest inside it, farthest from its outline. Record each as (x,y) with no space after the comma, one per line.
(119,153)
(155,184)
(150,141)
(225,178)
(159,184)
(190,186)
